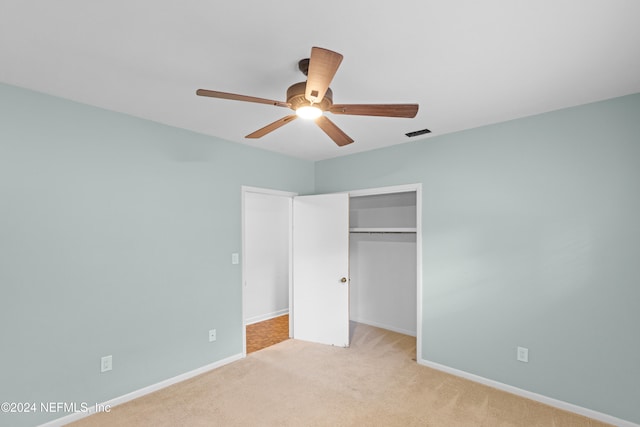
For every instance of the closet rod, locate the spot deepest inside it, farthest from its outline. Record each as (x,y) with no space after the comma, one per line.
(382,232)
(395,230)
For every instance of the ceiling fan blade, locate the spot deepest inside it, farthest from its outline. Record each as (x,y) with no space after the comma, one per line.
(333,131)
(323,65)
(236,97)
(383,110)
(272,126)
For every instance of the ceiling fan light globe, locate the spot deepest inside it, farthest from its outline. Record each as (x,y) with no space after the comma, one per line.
(308,112)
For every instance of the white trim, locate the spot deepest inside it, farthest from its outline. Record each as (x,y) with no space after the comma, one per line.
(142,392)
(405,188)
(419,283)
(263,317)
(247,189)
(599,416)
(291,308)
(244,189)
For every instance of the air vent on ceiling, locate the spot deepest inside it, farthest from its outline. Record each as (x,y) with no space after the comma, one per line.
(417,132)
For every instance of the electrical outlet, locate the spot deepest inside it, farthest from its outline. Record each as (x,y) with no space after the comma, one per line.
(212,335)
(523,354)
(106,363)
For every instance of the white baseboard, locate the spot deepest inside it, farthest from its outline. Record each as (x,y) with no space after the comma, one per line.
(263,317)
(387,327)
(530,395)
(59,422)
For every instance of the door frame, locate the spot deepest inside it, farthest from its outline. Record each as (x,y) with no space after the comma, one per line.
(244,190)
(404,188)
(407,188)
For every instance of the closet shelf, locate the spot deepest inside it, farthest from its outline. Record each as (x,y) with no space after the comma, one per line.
(382,230)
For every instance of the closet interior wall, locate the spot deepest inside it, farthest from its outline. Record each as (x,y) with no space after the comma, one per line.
(382,250)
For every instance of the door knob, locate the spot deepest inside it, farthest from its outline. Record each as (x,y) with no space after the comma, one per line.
(343,280)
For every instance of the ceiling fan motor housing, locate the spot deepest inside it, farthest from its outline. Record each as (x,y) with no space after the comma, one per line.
(295,97)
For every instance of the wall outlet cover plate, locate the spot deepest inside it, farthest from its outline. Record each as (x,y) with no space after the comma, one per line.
(523,354)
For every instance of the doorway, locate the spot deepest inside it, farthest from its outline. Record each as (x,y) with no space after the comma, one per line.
(266,266)
(382,261)
(386,259)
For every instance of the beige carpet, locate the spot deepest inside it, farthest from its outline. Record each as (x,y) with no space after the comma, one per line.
(375,382)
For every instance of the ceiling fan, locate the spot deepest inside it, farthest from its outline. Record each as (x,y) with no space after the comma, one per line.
(311,99)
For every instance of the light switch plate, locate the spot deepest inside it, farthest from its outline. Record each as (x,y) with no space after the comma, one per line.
(106,363)
(523,354)
(235,258)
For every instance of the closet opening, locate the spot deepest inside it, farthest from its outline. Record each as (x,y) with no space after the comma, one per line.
(384,260)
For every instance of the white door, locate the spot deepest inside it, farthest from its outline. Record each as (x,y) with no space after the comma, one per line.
(321,269)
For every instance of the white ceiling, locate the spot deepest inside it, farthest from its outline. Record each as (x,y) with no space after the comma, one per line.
(467,63)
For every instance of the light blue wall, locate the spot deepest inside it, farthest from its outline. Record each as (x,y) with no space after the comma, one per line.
(116,237)
(531,238)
